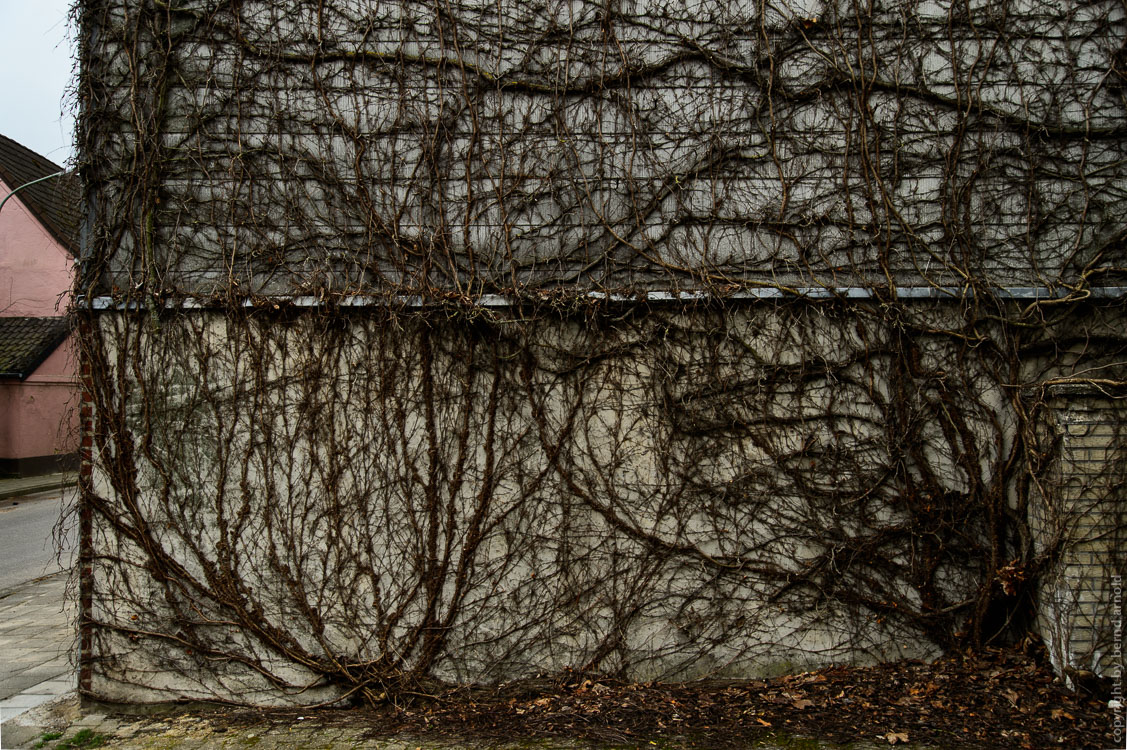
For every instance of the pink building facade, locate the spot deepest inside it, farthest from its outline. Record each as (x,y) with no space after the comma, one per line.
(38,383)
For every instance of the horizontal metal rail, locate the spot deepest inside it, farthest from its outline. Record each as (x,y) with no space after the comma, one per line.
(503,300)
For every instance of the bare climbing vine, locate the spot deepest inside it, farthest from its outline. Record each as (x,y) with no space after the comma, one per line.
(433,342)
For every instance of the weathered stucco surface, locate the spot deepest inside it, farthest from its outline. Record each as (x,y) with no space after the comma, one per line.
(377,397)
(356,147)
(678,494)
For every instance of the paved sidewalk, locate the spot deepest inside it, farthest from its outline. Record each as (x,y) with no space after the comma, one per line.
(37,625)
(37,636)
(30,485)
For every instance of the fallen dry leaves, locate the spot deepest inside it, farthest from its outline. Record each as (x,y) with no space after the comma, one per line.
(997,699)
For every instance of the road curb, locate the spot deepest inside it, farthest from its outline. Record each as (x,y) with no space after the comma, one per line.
(5,593)
(30,485)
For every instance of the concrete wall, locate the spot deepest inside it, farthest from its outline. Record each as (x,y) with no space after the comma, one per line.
(291,504)
(682,495)
(585,144)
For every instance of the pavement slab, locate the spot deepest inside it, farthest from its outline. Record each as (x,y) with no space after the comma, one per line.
(37,637)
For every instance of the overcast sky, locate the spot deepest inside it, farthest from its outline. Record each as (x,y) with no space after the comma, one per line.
(36,55)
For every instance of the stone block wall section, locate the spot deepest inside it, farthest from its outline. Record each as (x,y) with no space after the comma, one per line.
(1081,614)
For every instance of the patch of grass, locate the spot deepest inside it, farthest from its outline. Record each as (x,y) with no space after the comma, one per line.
(797,743)
(792,742)
(773,740)
(45,738)
(86,738)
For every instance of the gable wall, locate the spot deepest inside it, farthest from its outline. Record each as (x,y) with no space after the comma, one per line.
(35,270)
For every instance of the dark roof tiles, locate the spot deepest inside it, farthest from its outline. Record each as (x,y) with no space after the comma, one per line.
(26,342)
(54,203)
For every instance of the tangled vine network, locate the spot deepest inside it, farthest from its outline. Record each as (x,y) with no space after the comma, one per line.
(434,342)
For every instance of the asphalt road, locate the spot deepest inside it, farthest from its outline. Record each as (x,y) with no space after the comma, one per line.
(27,547)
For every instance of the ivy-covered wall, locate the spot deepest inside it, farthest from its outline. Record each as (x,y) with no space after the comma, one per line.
(433,343)
(356,147)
